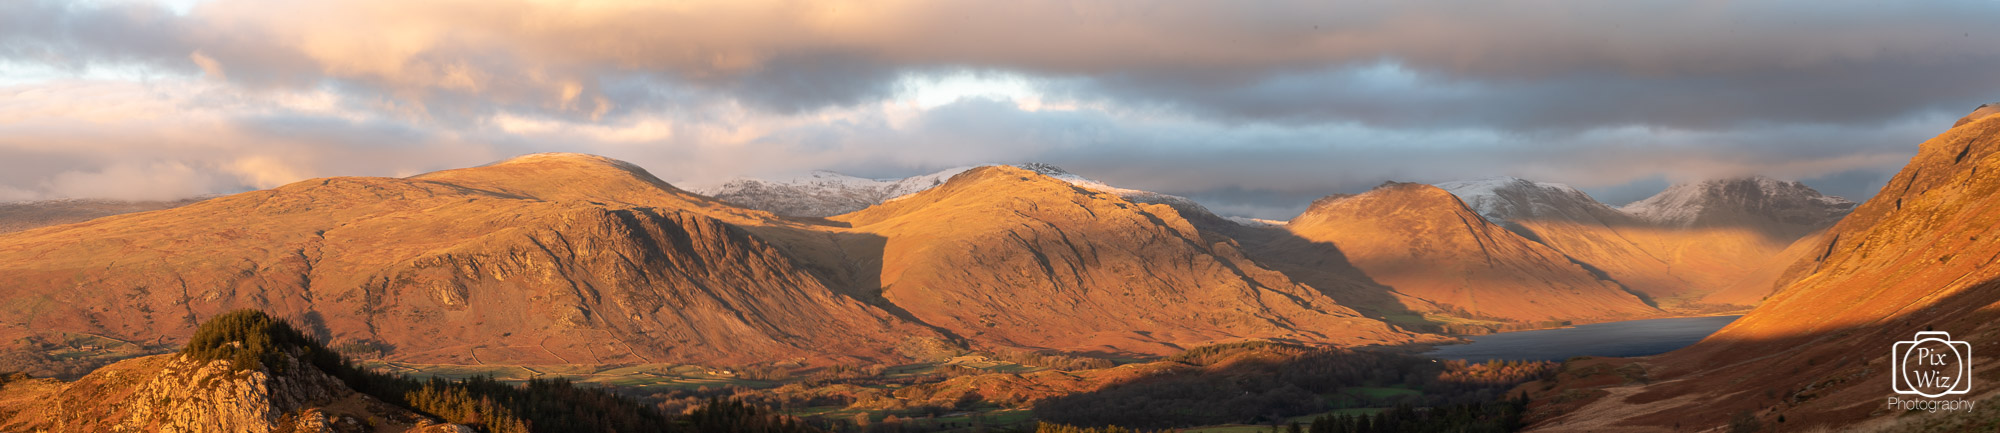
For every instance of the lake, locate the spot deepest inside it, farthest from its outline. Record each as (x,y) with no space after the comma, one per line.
(1628,338)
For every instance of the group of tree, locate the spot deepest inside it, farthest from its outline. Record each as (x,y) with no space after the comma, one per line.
(1065,428)
(1503,415)
(1260,382)
(250,339)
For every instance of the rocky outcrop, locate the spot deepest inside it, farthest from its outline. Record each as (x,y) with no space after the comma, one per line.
(173,393)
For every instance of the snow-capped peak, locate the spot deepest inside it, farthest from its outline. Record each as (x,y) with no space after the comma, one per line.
(1511,198)
(826,193)
(822,193)
(1729,200)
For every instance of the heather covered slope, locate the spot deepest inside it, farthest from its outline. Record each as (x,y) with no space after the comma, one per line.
(1919,256)
(541,259)
(1014,257)
(1437,255)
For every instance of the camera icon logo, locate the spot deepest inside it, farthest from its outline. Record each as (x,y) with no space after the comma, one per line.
(1931,365)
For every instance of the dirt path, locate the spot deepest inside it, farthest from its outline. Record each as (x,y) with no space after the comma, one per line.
(1609,410)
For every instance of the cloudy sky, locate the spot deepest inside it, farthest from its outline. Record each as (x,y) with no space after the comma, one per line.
(1254,108)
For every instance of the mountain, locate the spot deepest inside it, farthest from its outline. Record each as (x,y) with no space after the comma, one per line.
(1917,257)
(822,193)
(1707,246)
(1508,199)
(1014,256)
(540,259)
(1782,209)
(20,216)
(1440,256)
(825,193)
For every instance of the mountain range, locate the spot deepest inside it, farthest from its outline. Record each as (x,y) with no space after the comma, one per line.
(569,258)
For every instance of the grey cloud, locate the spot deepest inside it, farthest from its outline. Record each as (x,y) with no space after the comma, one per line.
(1542,63)
(1272,171)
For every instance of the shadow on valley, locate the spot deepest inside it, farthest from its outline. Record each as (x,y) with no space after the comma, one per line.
(1262,383)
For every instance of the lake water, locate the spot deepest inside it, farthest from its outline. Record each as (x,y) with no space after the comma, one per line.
(1628,338)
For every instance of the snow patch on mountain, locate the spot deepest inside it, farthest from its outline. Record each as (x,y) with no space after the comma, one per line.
(1255,222)
(1729,200)
(822,193)
(826,193)
(1502,199)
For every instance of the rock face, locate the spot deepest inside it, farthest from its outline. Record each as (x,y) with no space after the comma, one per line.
(1440,256)
(1708,245)
(171,393)
(1917,257)
(1010,255)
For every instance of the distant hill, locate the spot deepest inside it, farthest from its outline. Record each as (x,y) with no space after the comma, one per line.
(20,216)
(1425,244)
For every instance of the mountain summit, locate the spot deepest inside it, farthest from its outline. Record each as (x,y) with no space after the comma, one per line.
(1785,208)
(1421,241)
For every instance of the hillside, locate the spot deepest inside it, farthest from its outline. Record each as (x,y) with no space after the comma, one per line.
(1437,255)
(1917,257)
(539,259)
(1012,256)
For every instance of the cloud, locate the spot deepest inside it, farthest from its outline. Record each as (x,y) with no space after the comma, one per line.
(1254,107)
(1673,63)
(129,181)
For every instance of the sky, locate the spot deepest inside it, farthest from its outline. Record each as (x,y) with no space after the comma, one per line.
(1252,108)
